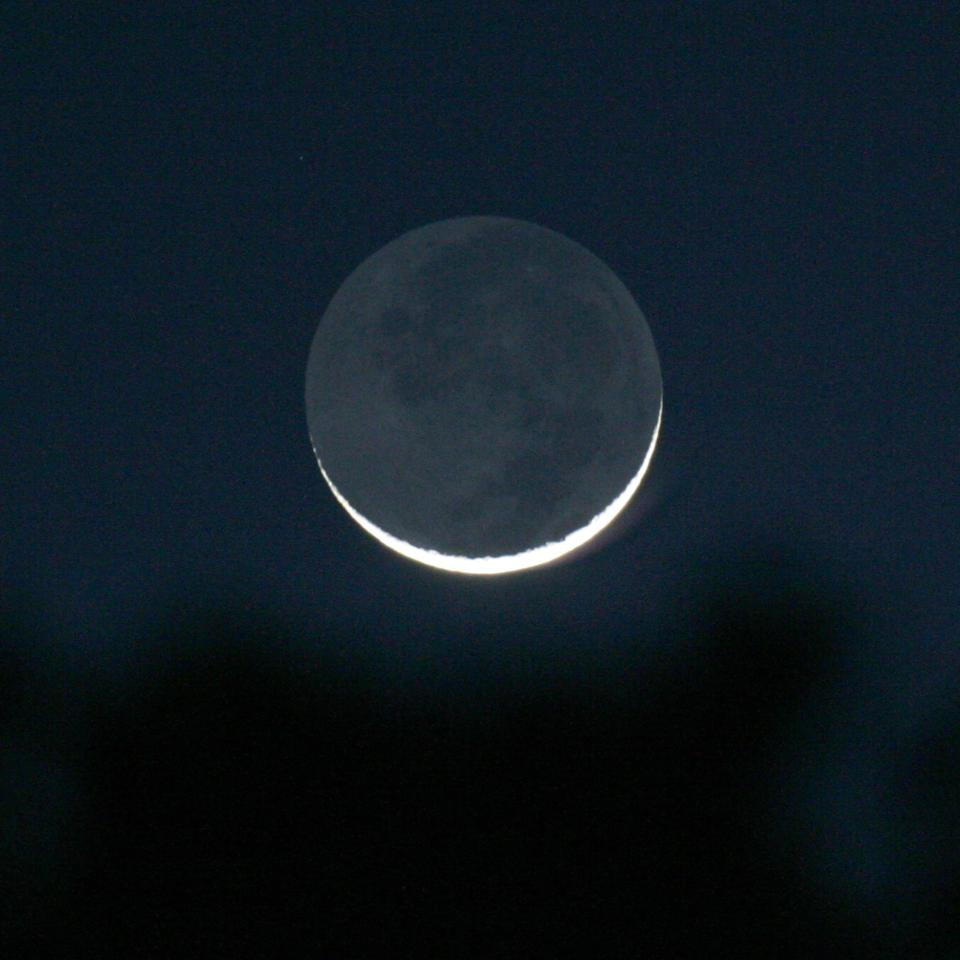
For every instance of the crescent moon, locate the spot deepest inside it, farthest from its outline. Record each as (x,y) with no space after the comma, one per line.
(483,395)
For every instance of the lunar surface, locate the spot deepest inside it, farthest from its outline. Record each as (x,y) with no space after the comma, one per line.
(483,395)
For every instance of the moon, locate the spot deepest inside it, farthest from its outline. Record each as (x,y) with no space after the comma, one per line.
(483,395)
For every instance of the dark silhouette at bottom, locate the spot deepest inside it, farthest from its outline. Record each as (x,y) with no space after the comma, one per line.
(236,795)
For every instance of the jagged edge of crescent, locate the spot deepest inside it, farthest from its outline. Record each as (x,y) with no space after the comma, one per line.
(534,557)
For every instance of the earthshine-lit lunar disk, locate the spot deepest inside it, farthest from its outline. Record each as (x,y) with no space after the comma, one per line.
(483,395)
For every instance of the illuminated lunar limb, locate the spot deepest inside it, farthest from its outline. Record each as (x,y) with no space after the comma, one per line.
(534,557)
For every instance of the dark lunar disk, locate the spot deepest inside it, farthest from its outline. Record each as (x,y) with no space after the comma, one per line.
(480,388)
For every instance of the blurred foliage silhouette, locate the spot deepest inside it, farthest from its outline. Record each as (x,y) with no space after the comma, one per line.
(235,793)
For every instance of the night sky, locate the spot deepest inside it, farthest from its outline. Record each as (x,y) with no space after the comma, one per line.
(183,191)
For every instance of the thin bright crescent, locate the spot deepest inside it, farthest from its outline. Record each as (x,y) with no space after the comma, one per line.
(534,557)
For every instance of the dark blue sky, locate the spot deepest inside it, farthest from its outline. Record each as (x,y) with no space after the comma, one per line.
(183,193)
